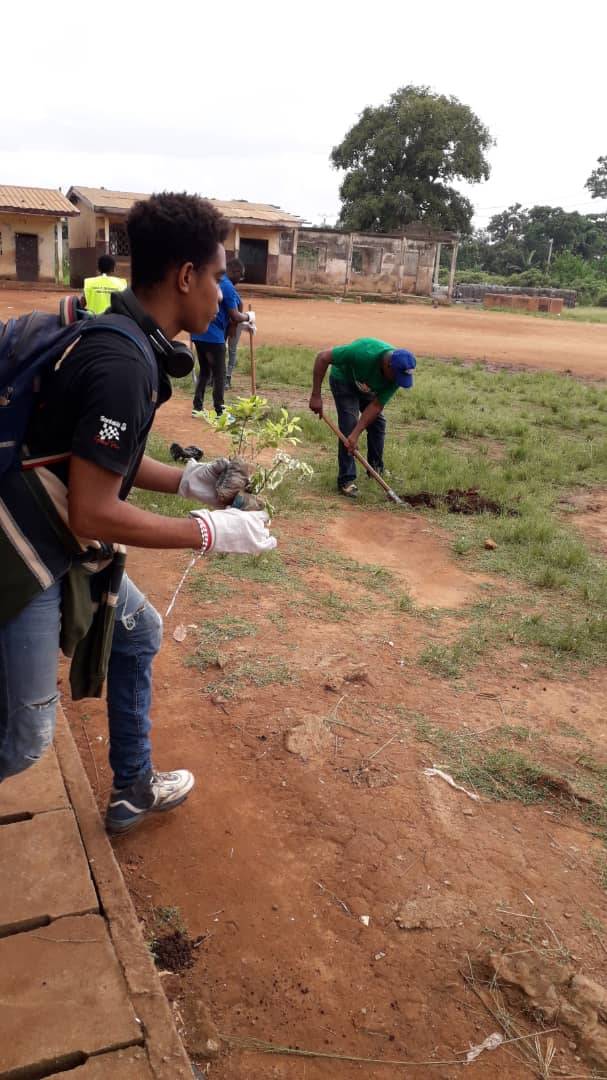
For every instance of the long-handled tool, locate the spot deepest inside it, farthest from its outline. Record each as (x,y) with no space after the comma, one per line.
(365,464)
(253,364)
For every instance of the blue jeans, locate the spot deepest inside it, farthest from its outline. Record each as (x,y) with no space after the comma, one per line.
(233,350)
(29,653)
(350,402)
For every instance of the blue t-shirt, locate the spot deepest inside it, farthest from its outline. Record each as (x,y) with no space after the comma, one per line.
(218,329)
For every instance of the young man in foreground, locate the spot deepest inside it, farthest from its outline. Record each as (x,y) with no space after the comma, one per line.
(84,451)
(364,376)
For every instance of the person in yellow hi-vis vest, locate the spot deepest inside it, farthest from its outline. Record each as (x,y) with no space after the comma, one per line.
(97,290)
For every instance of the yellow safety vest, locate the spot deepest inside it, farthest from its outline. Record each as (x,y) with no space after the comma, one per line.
(97,291)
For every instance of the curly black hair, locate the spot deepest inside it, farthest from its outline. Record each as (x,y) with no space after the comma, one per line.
(170,229)
(106,264)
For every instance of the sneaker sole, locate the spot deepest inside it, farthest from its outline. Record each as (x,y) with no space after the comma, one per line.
(115,829)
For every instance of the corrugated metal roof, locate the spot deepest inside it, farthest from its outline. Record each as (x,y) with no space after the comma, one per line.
(34,200)
(238,210)
(105,199)
(263,213)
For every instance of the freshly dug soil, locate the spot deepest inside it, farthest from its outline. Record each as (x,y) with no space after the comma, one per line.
(457,501)
(174,952)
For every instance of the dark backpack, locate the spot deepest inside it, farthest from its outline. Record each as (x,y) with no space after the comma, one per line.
(30,346)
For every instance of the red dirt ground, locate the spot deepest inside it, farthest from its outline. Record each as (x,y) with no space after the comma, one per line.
(444,331)
(271,846)
(276,856)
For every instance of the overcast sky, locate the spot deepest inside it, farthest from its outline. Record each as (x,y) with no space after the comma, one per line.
(246,100)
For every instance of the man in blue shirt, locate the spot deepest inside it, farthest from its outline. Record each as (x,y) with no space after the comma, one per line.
(211,347)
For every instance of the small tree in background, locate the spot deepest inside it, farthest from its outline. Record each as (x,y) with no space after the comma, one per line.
(402,158)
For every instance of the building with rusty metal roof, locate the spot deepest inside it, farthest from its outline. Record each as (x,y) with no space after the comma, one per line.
(262,235)
(31,233)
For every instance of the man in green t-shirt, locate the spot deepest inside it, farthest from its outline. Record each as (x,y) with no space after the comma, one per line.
(364,376)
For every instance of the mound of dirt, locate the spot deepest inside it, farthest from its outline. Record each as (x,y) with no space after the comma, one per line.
(562,996)
(416,555)
(457,501)
(174,952)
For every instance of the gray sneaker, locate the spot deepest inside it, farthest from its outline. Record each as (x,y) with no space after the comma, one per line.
(150,794)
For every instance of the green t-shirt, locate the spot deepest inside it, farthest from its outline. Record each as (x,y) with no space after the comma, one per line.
(360,363)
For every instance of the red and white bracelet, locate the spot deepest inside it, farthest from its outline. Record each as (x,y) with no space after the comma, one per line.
(205,536)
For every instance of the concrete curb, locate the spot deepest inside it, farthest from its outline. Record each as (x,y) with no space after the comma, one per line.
(167,1056)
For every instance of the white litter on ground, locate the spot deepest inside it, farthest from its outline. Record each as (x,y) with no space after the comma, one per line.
(434,771)
(490,1043)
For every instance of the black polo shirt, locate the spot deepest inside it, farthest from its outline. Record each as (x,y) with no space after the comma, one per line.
(99,404)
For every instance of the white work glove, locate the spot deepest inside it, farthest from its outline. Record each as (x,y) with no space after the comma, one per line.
(199,480)
(237,532)
(250,326)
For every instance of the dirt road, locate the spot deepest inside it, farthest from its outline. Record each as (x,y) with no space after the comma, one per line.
(453,332)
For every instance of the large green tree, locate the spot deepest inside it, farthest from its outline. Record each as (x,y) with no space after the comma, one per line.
(597,181)
(521,237)
(402,158)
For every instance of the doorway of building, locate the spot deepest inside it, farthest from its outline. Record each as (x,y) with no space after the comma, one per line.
(254,255)
(26,256)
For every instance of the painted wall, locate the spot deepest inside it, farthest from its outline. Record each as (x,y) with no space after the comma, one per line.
(81,229)
(38,225)
(379,264)
(87,241)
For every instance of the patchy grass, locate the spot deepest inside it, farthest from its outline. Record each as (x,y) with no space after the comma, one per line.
(213,635)
(524,439)
(259,673)
(585,314)
(512,762)
(268,569)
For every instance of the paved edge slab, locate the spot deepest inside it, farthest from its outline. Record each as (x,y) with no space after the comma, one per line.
(38,790)
(43,885)
(167,1056)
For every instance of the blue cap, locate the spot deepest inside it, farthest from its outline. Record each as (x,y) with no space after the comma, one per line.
(403,362)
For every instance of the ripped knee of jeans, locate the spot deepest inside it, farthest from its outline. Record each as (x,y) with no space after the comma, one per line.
(47,704)
(38,734)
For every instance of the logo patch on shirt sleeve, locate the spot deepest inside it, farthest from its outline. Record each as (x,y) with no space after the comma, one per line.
(109,432)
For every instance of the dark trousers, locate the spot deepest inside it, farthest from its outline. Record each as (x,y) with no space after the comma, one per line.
(212,362)
(350,402)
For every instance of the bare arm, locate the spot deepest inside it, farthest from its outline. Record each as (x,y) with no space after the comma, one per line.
(319,371)
(154,476)
(95,510)
(237,316)
(366,418)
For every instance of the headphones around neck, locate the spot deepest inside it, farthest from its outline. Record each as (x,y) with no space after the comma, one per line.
(176,357)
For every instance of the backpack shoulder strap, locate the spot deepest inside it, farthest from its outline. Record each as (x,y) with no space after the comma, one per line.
(128,328)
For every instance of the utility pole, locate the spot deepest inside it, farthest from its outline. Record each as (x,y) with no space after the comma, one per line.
(550,243)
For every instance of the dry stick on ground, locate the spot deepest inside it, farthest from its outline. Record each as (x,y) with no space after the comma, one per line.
(341,903)
(333,719)
(533,1056)
(250,1043)
(253,364)
(383,747)
(88,741)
